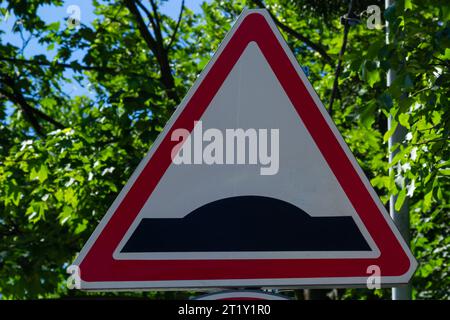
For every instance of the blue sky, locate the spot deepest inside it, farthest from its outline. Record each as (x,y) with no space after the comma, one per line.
(53,14)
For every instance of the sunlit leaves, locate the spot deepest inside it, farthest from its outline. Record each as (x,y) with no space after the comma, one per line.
(40,175)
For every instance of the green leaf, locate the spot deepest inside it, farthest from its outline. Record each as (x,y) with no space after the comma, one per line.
(370,72)
(65,214)
(59,195)
(70,197)
(439,194)
(54,26)
(404,120)
(368,114)
(373,77)
(33,174)
(391,131)
(427,200)
(408,4)
(81,227)
(400,200)
(436,118)
(42,173)
(203,62)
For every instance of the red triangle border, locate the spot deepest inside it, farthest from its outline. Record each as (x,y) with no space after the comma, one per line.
(98,264)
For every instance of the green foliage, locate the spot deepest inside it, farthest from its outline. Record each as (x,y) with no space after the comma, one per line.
(62,165)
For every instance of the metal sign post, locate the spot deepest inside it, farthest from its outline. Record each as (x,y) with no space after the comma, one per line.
(401,217)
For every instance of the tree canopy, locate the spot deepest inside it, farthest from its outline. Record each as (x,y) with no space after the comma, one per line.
(65,157)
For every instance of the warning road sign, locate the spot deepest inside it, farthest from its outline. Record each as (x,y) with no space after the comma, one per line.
(249,184)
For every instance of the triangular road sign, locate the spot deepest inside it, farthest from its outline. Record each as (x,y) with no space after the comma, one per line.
(305,216)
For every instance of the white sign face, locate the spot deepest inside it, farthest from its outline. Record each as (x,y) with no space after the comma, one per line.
(301,175)
(249,184)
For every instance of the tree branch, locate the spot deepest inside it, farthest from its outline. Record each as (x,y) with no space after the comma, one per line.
(154,21)
(431,140)
(157,47)
(20,100)
(315,46)
(445,62)
(76,67)
(141,24)
(26,109)
(30,112)
(172,38)
(148,14)
(341,55)
(156,17)
(64,65)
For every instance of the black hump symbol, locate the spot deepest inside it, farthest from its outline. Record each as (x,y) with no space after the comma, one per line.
(247,223)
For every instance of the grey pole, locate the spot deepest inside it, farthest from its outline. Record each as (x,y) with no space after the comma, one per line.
(401,217)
